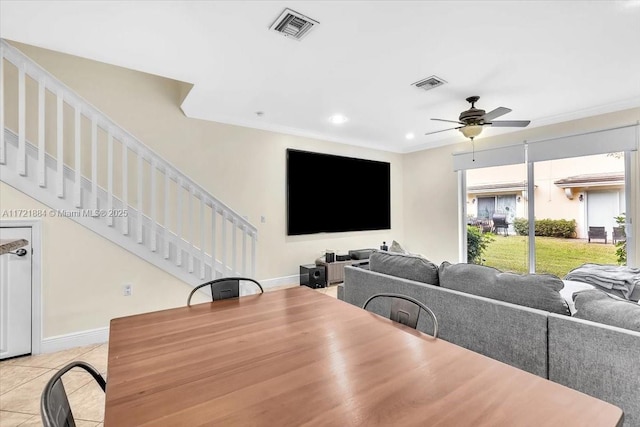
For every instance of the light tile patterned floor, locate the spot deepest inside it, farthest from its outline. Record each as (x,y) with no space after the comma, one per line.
(23,379)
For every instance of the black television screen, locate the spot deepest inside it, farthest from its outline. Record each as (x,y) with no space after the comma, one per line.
(329,194)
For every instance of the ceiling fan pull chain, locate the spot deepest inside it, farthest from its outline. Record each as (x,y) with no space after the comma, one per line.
(473,150)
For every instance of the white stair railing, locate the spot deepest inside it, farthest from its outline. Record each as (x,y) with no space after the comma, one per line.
(117,186)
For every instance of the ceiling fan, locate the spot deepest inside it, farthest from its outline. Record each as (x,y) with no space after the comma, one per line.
(474,119)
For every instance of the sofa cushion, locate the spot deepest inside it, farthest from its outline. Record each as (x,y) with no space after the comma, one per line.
(406,266)
(541,291)
(601,307)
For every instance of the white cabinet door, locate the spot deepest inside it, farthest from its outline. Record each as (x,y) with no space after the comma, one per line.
(15,296)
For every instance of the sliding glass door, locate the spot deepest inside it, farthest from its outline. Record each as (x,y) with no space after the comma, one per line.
(551,205)
(496,199)
(578,204)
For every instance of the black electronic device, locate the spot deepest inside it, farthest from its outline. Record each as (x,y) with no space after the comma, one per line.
(358,200)
(313,276)
(330,256)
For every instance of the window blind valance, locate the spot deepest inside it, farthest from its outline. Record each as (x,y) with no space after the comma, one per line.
(624,138)
(586,144)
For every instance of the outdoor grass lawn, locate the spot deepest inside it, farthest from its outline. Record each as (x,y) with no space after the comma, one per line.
(553,255)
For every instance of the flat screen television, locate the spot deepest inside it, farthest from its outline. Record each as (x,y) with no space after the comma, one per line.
(331,194)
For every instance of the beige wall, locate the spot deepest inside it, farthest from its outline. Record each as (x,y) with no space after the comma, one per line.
(431,204)
(245,168)
(83,275)
(430,198)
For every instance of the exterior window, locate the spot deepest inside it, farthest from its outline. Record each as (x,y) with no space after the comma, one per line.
(577,201)
(579,206)
(496,196)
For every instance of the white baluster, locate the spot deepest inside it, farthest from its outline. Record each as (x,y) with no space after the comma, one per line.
(202,238)
(192,195)
(214,267)
(154,217)
(224,243)
(22,154)
(3,144)
(42,154)
(253,255)
(125,186)
(244,250)
(59,145)
(140,182)
(167,181)
(109,181)
(94,163)
(78,159)
(179,222)
(234,246)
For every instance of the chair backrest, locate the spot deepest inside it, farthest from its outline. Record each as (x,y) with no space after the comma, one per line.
(618,233)
(405,310)
(223,288)
(54,404)
(596,231)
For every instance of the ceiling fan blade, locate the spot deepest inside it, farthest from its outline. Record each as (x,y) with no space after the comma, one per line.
(443,130)
(510,123)
(450,121)
(500,111)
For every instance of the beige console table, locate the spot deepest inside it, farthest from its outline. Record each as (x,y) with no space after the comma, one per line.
(335,270)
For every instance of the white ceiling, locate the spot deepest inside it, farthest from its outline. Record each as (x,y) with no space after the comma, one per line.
(548,61)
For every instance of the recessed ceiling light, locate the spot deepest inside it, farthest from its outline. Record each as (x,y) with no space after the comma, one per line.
(409,136)
(338,119)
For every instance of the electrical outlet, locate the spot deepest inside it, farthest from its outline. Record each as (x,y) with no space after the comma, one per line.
(126,290)
(263,219)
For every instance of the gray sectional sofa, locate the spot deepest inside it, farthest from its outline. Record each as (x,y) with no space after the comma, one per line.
(541,338)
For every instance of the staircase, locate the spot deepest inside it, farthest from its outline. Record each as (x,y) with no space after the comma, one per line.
(85,167)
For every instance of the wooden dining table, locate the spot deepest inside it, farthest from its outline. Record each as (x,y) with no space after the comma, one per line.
(297,357)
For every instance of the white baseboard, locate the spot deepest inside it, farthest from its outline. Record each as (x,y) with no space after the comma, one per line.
(76,339)
(280,281)
(101,335)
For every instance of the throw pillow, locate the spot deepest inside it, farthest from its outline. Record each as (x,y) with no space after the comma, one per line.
(406,266)
(601,307)
(397,248)
(570,288)
(541,291)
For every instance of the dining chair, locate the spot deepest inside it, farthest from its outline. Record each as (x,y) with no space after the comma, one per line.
(54,404)
(405,310)
(223,288)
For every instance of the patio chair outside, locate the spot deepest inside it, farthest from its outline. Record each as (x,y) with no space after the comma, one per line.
(618,235)
(598,233)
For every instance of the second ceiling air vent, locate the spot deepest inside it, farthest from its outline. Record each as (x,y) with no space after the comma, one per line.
(293,25)
(429,83)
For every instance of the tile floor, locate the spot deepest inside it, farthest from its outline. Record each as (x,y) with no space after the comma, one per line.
(22,380)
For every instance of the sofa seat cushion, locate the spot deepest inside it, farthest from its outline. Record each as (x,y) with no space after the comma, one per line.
(541,291)
(601,307)
(406,266)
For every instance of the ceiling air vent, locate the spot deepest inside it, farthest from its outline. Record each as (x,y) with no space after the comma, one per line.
(429,83)
(293,25)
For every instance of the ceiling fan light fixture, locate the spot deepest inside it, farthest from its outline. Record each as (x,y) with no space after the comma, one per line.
(471,131)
